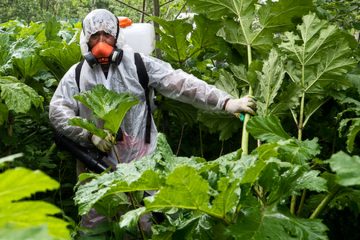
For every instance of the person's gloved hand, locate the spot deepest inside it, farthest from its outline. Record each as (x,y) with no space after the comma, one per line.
(105,144)
(245,104)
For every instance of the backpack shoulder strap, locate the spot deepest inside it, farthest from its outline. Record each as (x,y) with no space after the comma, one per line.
(141,71)
(144,81)
(77,73)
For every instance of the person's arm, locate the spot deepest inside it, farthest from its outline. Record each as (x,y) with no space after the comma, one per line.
(185,87)
(63,106)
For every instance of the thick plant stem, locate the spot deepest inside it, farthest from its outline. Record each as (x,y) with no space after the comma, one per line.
(245,133)
(293,204)
(324,202)
(302,201)
(301,117)
(131,197)
(300,129)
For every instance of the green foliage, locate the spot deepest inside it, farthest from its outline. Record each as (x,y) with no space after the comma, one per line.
(349,122)
(26,86)
(60,56)
(107,105)
(346,168)
(270,81)
(181,41)
(40,232)
(344,13)
(265,223)
(250,25)
(225,124)
(174,34)
(216,190)
(320,54)
(267,129)
(18,96)
(28,217)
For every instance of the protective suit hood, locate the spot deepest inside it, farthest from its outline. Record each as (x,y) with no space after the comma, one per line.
(100,20)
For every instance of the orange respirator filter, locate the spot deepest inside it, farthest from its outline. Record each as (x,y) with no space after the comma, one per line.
(102,52)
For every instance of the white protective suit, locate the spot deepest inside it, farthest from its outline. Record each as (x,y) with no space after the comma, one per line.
(171,83)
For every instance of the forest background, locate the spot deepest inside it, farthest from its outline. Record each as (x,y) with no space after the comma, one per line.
(188,132)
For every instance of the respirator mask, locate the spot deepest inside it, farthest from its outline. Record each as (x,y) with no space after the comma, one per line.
(103,53)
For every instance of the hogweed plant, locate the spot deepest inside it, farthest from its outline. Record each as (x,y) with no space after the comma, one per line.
(107,106)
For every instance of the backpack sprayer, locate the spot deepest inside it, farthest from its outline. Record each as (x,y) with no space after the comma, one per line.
(141,38)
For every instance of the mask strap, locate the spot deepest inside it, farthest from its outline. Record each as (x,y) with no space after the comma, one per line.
(91,60)
(117,56)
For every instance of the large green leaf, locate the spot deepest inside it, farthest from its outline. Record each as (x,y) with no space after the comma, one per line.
(5,52)
(131,218)
(24,47)
(19,183)
(184,188)
(60,56)
(174,39)
(18,96)
(346,168)
(320,55)
(107,105)
(52,27)
(134,176)
(270,80)
(204,35)
(127,178)
(31,233)
(259,223)
(288,98)
(298,152)
(28,66)
(34,213)
(354,129)
(23,183)
(253,172)
(228,198)
(250,24)
(34,30)
(267,128)
(282,182)
(88,125)
(227,83)
(217,9)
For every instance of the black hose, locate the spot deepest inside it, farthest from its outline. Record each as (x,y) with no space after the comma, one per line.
(92,159)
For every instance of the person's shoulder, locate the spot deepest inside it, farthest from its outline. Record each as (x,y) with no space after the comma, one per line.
(128,53)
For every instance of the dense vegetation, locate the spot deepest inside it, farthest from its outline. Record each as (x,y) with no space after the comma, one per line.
(291,172)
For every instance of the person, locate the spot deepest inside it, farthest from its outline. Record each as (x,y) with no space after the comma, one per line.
(100,33)
(111,63)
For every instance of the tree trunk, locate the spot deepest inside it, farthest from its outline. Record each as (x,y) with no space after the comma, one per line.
(157,37)
(143,11)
